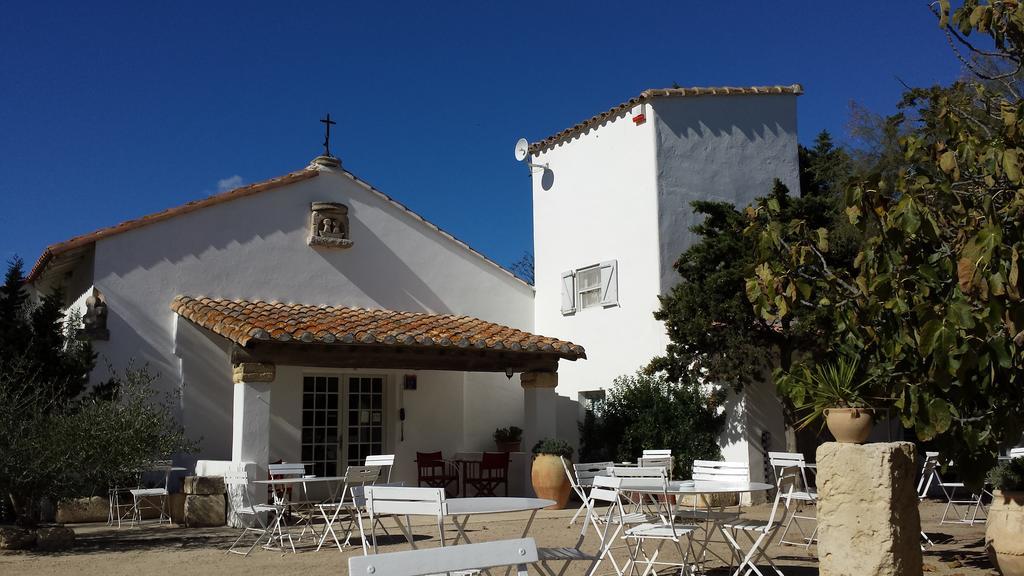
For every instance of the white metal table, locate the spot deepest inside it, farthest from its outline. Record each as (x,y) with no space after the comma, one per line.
(304,480)
(695,488)
(464,508)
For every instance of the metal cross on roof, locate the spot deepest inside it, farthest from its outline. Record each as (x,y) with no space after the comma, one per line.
(327,136)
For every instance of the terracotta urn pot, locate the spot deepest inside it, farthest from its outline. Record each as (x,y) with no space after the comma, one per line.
(550,481)
(849,425)
(1003,531)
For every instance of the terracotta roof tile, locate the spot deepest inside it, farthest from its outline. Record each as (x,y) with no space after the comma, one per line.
(647,95)
(243,321)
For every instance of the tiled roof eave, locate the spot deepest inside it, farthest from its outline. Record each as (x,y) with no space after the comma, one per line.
(650,94)
(256,322)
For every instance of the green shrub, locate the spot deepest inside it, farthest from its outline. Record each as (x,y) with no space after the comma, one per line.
(645,411)
(554,447)
(1007,476)
(510,434)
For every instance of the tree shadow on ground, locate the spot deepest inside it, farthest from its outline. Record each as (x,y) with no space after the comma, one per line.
(151,538)
(970,555)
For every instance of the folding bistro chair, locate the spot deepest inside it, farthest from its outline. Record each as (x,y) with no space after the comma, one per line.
(487,474)
(793,464)
(238,481)
(583,480)
(383,461)
(652,458)
(355,476)
(436,472)
(152,498)
(468,558)
(663,530)
(400,501)
(758,544)
(923,486)
(603,489)
(120,504)
(634,475)
(949,490)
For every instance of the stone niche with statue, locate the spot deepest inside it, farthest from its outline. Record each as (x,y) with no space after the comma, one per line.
(328,225)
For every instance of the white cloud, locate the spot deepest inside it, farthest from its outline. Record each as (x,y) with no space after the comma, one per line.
(229,183)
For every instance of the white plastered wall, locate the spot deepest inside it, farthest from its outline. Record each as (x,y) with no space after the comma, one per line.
(256,248)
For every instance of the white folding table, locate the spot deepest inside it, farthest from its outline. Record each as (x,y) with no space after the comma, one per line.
(287,482)
(695,488)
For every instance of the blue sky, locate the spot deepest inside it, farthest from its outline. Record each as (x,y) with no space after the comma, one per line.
(110,113)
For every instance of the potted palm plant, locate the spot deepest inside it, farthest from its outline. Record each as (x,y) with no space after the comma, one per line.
(1005,522)
(509,439)
(836,392)
(548,473)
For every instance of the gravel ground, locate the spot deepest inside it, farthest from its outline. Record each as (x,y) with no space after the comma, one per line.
(175,551)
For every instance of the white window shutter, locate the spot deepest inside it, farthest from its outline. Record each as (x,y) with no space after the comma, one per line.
(568,292)
(610,283)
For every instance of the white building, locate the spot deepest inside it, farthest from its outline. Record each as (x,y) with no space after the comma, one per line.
(313,318)
(611,214)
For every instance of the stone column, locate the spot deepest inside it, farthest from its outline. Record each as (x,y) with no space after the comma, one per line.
(250,434)
(868,521)
(540,416)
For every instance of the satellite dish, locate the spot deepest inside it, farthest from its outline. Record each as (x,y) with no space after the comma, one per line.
(522,149)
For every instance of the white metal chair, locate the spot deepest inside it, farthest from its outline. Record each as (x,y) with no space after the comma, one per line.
(401,501)
(152,498)
(355,477)
(239,482)
(463,559)
(633,476)
(662,530)
(652,458)
(802,492)
(382,461)
(581,478)
(949,490)
(603,489)
(120,505)
(758,544)
(922,490)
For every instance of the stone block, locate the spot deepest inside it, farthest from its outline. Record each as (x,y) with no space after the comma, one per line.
(253,372)
(80,510)
(868,520)
(202,510)
(176,507)
(203,485)
(54,538)
(14,538)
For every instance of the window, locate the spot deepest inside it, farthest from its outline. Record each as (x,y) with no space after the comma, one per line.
(593,286)
(320,424)
(365,418)
(590,398)
(324,404)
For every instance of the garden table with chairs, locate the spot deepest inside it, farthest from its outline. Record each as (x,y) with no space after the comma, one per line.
(712,512)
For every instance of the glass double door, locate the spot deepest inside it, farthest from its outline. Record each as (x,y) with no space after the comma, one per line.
(342,421)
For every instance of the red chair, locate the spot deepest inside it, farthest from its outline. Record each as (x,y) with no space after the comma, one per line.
(435,472)
(489,473)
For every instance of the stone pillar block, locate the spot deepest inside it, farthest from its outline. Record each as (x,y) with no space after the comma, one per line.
(203,485)
(204,510)
(80,510)
(868,521)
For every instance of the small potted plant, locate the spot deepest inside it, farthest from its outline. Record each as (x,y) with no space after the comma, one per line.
(1005,522)
(835,391)
(548,473)
(509,439)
